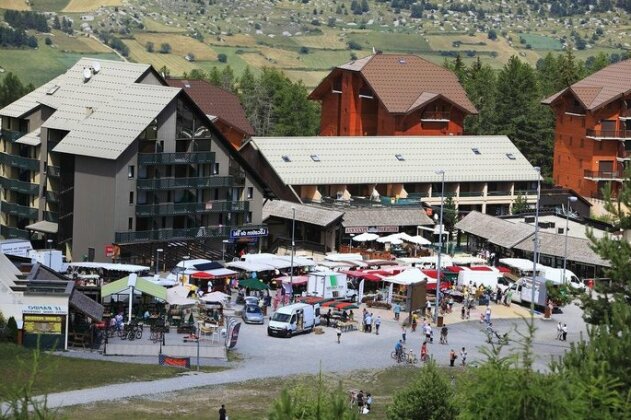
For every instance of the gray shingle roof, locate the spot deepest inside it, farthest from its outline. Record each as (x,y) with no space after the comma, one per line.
(498,231)
(386,216)
(578,249)
(304,213)
(362,160)
(113,127)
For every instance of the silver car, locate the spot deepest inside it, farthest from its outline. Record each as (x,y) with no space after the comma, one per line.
(252,315)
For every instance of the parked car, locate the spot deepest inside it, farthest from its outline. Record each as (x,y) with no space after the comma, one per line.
(252,315)
(251,300)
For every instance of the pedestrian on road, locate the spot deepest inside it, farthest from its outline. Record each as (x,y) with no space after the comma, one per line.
(443,334)
(468,311)
(404,332)
(428,332)
(488,314)
(397,311)
(452,357)
(559,331)
(369,323)
(222,413)
(428,308)
(463,311)
(424,355)
(463,357)
(338,331)
(414,322)
(377,324)
(564,330)
(351,315)
(328,318)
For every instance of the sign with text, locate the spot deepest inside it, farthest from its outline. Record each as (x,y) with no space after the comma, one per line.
(248,233)
(109,250)
(371,229)
(45,309)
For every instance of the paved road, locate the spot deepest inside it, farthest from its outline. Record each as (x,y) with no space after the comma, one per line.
(265,356)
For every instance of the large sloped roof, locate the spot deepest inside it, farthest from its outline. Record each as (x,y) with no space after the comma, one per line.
(362,160)
(498,231)
(404,83)
(600,88)
(304,213)
(216,102)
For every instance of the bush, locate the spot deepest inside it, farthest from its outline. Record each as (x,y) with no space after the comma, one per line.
(149,46)
(48,41)
(12,330)
(304,50)
(354,45)
(222,58)
(165,48)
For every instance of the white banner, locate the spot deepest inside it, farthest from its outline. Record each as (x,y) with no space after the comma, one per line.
(360,291)
(45,309)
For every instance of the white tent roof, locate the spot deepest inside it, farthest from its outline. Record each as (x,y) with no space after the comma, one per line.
(407,277)
(126,268)
(275,261)
(215,297)
(520,264)
(344,257)
(365,237)
(250,266)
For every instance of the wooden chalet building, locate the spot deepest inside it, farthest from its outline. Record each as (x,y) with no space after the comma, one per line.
(392,95)
(592,140)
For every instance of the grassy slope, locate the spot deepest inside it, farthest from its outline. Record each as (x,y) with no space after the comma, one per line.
(62,373)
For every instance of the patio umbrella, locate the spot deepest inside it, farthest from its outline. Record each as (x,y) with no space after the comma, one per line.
(253,284)
(180,290)
(418,239)
(215,297)
(180,301)
(390,239)
(365,237)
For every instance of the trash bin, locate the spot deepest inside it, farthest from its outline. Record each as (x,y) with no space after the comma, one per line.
(439,321)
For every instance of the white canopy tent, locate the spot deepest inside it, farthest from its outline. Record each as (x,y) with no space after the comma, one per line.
(126,268)
(407,277)
(365,237)
(215,297)
(344,257)
(250,266)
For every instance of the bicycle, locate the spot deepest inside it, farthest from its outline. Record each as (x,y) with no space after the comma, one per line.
(411,358)
(157,333)
(399,357)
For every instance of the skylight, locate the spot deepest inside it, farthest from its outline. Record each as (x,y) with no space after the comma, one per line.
(510,156)
(315,158)
(286,158)
(476,151)
(399,157)
(52,90)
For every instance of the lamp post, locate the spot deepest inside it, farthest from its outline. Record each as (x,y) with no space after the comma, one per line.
(350,242)
(293,244)
(440,242)
(158,251)
(570,199)
(49,243)
(535,246)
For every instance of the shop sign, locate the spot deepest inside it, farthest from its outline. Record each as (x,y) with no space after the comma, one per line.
(248,233)
(109,250)
(42,324)
(45,309)
(372,229)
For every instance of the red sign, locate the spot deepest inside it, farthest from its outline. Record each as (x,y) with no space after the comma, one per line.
(109,250)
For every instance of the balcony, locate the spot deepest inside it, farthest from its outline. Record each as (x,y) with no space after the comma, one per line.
(165,209)
(436,116)
(52,197)
(182,183)
(51,216)
(19,186)
(170,234)
(608,134)
(11,135)
(498,193)
(471,194)
(604,175)
(19,162)
(18,210)
(13,233)
(183,158)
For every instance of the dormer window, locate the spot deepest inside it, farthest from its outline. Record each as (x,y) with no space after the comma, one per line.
(315,158)
(511,156)
(337,85)
(476,151)
(399,157)
(286,158)
(365,92)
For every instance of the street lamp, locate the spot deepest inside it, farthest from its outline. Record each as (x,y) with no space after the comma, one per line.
(570,199)
(293,244)
(350,242)
(440,242)
(535,247)
(49,245)
(158,251)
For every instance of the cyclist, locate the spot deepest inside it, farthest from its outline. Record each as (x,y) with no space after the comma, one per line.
(398,350)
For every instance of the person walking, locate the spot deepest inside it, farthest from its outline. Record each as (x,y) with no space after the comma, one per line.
(424,355)
(368,403)
(222,413)
(559,331)
(564,332)
(397,311)
(463,357)
(328,318)
(414,322)
(463,311)
(487,315)
(369,323)
(443,334)
(452,357)
(360,400)
(428,332)
(377,324)
(338,331)
(404,332)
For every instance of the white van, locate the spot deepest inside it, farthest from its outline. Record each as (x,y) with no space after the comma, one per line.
(555,275)
(293,319)
(491,279)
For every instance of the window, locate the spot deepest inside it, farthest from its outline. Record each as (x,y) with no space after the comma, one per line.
(286,158)
(476,151)
(131,197)
(131,171)
(399,157)
(337,85)
(315,158)
(248,217)
(216,168)
(250,193)
(130,223)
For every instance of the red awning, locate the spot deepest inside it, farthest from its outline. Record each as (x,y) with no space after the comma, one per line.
(202,275)
(454,269)
(370,276)
(481,268)
(503,269)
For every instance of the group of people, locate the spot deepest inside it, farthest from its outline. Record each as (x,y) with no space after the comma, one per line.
(561,332)
(362,401)
(369,321)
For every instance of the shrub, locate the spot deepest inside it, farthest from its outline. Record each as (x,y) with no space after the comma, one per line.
(149,46)
(12,330)
(304,50)
(222,58)
(354,45)
(48,41)
(165,48)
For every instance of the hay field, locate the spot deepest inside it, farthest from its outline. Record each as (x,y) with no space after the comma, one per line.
(180,45)
(309,78)
(176,63)
(329,39)
(237,40)
(78,6)
(78,43)
(48,5)
(14,5)
(153,26)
